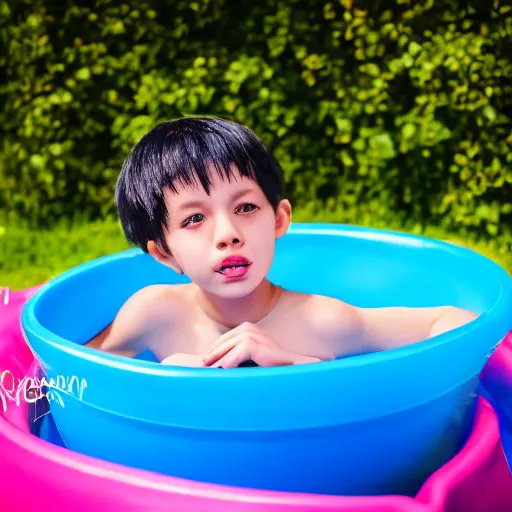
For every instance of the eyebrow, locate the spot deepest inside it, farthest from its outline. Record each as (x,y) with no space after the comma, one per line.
(198,204)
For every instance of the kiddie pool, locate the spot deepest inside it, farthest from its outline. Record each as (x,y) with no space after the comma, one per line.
(287,429)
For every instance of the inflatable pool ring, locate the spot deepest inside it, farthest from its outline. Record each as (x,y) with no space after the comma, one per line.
(475,480)
(301,432)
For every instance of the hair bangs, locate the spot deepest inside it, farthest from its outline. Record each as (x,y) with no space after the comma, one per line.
(191,158)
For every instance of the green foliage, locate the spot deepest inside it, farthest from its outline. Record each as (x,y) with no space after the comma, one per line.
(394,110)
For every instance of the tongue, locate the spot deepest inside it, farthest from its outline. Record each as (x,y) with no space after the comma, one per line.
(233,271)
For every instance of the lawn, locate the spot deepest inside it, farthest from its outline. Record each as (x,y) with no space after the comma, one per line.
(29,257)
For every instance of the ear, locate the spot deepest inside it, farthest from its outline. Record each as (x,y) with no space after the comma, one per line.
(283,217)
(163,257)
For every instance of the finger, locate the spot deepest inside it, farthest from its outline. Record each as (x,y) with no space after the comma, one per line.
(234,357)
(226,336)
(222,339)
(245,327)
(220,350)
(270,355)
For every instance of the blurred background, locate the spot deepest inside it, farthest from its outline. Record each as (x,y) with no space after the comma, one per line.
(391,113)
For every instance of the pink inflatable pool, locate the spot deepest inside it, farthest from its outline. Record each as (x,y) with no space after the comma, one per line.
(36,473)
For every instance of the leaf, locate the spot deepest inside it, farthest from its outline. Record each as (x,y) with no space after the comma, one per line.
(414,48)
(383,145)
(408,131)
(489,112)
(492,229)
(407,60)
(199,61)
(346,159)
(37,161)
(461,160)
(83,74)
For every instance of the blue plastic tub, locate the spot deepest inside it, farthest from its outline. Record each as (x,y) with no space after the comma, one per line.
(371,424)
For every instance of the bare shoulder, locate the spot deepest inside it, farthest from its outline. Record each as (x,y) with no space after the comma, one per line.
(145,312)
(155,300)
(332,316)
(332,321)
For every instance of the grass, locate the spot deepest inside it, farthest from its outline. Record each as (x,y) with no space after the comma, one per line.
(29,257)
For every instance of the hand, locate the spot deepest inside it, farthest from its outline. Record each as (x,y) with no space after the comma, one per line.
(248,341)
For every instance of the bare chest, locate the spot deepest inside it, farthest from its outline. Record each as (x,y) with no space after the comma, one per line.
(197,335)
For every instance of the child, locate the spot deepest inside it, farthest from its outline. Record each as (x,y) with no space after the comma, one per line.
(204,197)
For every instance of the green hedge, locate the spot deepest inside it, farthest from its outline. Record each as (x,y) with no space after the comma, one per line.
(385,109)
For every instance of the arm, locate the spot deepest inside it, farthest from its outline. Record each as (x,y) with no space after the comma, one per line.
(388,328)
(349,330)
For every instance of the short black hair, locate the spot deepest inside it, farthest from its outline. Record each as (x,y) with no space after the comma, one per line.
(182,151)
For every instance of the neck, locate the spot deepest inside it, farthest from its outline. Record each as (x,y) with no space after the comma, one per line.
(232,312)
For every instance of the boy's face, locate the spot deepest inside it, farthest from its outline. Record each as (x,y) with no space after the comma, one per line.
(236,219)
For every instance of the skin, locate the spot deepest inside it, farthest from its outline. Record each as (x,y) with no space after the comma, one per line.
(221,322)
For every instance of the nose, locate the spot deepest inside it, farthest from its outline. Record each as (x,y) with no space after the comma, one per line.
(235,241)
(227,235)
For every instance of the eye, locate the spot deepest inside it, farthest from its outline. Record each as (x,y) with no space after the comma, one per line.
(193,219)
(246,208)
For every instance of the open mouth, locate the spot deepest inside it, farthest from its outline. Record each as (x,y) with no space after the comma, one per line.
(234,266)
(233,269)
